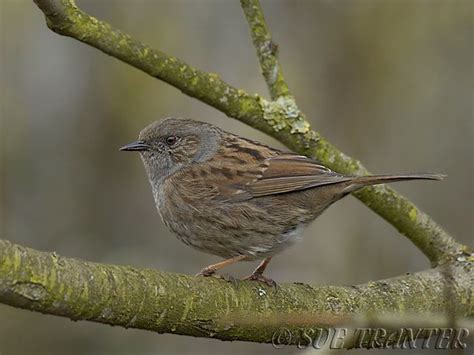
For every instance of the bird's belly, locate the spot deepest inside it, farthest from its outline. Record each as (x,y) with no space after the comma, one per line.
(229,244)
(230,233)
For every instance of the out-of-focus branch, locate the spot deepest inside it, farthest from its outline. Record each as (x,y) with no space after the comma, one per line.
(208,307)
(280,118)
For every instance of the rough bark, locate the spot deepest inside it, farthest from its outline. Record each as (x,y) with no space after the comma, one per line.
(209,307)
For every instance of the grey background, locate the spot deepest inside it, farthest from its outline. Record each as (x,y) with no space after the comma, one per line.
(388,82)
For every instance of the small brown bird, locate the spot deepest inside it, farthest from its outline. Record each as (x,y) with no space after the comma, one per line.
(234,197)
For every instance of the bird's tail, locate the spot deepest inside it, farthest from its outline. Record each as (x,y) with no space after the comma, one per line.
(362,181)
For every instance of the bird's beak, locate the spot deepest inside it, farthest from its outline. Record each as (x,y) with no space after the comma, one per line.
(137,146)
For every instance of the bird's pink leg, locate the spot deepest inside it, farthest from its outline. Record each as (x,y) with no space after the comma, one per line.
(211,269)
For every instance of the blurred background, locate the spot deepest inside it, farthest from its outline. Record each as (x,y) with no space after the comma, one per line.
(388,82)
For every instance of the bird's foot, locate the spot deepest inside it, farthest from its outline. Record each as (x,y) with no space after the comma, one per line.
(207,271)
(256,276)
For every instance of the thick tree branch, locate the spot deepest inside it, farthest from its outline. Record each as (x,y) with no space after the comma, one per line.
(281,118)
(208,307)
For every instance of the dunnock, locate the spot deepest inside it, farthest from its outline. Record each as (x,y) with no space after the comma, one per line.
(234,197)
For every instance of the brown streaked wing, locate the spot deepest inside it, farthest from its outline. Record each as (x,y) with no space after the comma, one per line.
(287,173)
(297,165)
(280,174)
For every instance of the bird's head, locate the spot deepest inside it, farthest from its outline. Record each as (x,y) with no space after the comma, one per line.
(172,143)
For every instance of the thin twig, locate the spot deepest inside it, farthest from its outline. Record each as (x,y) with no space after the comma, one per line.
(267,50)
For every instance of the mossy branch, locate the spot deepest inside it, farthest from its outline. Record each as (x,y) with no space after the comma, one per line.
(267,50)
(209,307)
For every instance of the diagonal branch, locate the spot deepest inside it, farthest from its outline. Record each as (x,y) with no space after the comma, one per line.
(430,238)
(280,119)
(208,307)
(65,18)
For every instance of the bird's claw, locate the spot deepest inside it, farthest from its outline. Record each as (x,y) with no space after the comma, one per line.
(206,272)
(260,278)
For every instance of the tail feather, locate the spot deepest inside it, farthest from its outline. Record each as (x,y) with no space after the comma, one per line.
(362,181)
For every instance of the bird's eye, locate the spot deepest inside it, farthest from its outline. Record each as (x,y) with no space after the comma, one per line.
(171,140)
